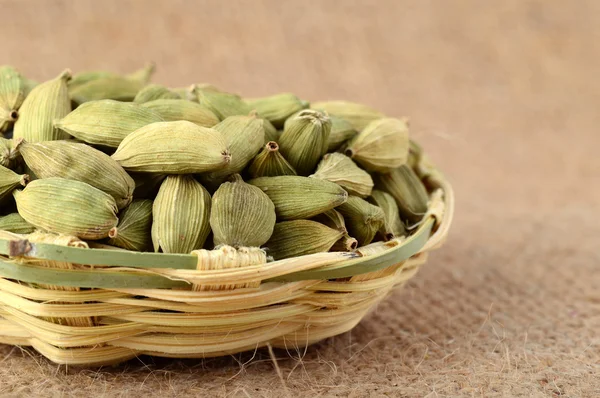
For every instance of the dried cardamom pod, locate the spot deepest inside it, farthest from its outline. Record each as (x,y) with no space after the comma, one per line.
(79,162)
(340,169)
(221,104)
(173,148)
(9,151)
(134,228)
(270,163)
(333,219)
(408,191)
(300,197)
(363,219)
(12,94)
(47,102)
(341,131)
(382,146)
(173,110)
(93,86)
(304,140)
(415,154)
(393,226)
(358,114)
(271,133)
(277,108)
(16,224)
(345,244)
(9,181)
(245,135)
(301,237)
(154,92)
(68,207)
(106,122)
(146,184)
(181,214)
(242,215)
(28,85)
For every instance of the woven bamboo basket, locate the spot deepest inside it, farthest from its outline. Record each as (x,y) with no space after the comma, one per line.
(92,306)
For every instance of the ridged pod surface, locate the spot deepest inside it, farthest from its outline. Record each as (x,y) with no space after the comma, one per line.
(134,228)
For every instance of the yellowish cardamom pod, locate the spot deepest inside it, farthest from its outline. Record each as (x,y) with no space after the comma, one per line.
(80,162)
(277,108)
(358,114)
(154,92)
(393,226)
(16,224)
(363,219)
(333,219)
(304,140)
(9,151)
(345,244)
(173,148)
(270,163)
(9,181)
(173,110)
(271,133)
(415,154)
(181,214)
(301,237)
(408,191)
(340,169)
(341,131)
(12,94)
(68,207)
(242,216)
(106,122)
(47,102)
(300,197)
(382,146)
(134,228)
(81,78)
(222,104)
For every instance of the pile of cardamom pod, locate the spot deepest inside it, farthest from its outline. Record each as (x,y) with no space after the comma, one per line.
(113,159)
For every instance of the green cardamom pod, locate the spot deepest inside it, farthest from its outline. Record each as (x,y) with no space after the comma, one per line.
(47,102)
(221,104)
(173,110)
(345,244)
(300,197)
(301,237)
(270,163)
(181,214)
(106,122)
(245,135)
(393,226)
(154,92)
(277,108)
(242,215)
(146,184)
(341,131)
(9,151)
(68,207)
(9,181)
(12,94)
(28,85)
(340,169)
(79,162)
(382,146)
(415,154)
(363,219)
(93,86)
(408,191)
(16,224)
(134,228)
(173,148)
(271,133)
(358,114)
(304,140)
(333,219)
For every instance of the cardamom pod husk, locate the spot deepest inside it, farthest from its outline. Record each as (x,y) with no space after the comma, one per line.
(304,140)
(270,163)
(181,214)
(14,223)
(381,146)
(154,92)
(10,151)
(300,197)
(277,108)
(393,226)
(106,122)
(301,237)
(46,103)
(408,191)
(172,110)
(358,114)
(134,227)
(340,169)
(363,219)
(242,215)
(68,207)
(221,104)
(9,181)
(75,161)
(173,148)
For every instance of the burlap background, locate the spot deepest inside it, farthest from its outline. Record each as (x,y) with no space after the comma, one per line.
(504,95)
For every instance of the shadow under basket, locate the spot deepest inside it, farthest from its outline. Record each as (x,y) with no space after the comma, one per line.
(82,306)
